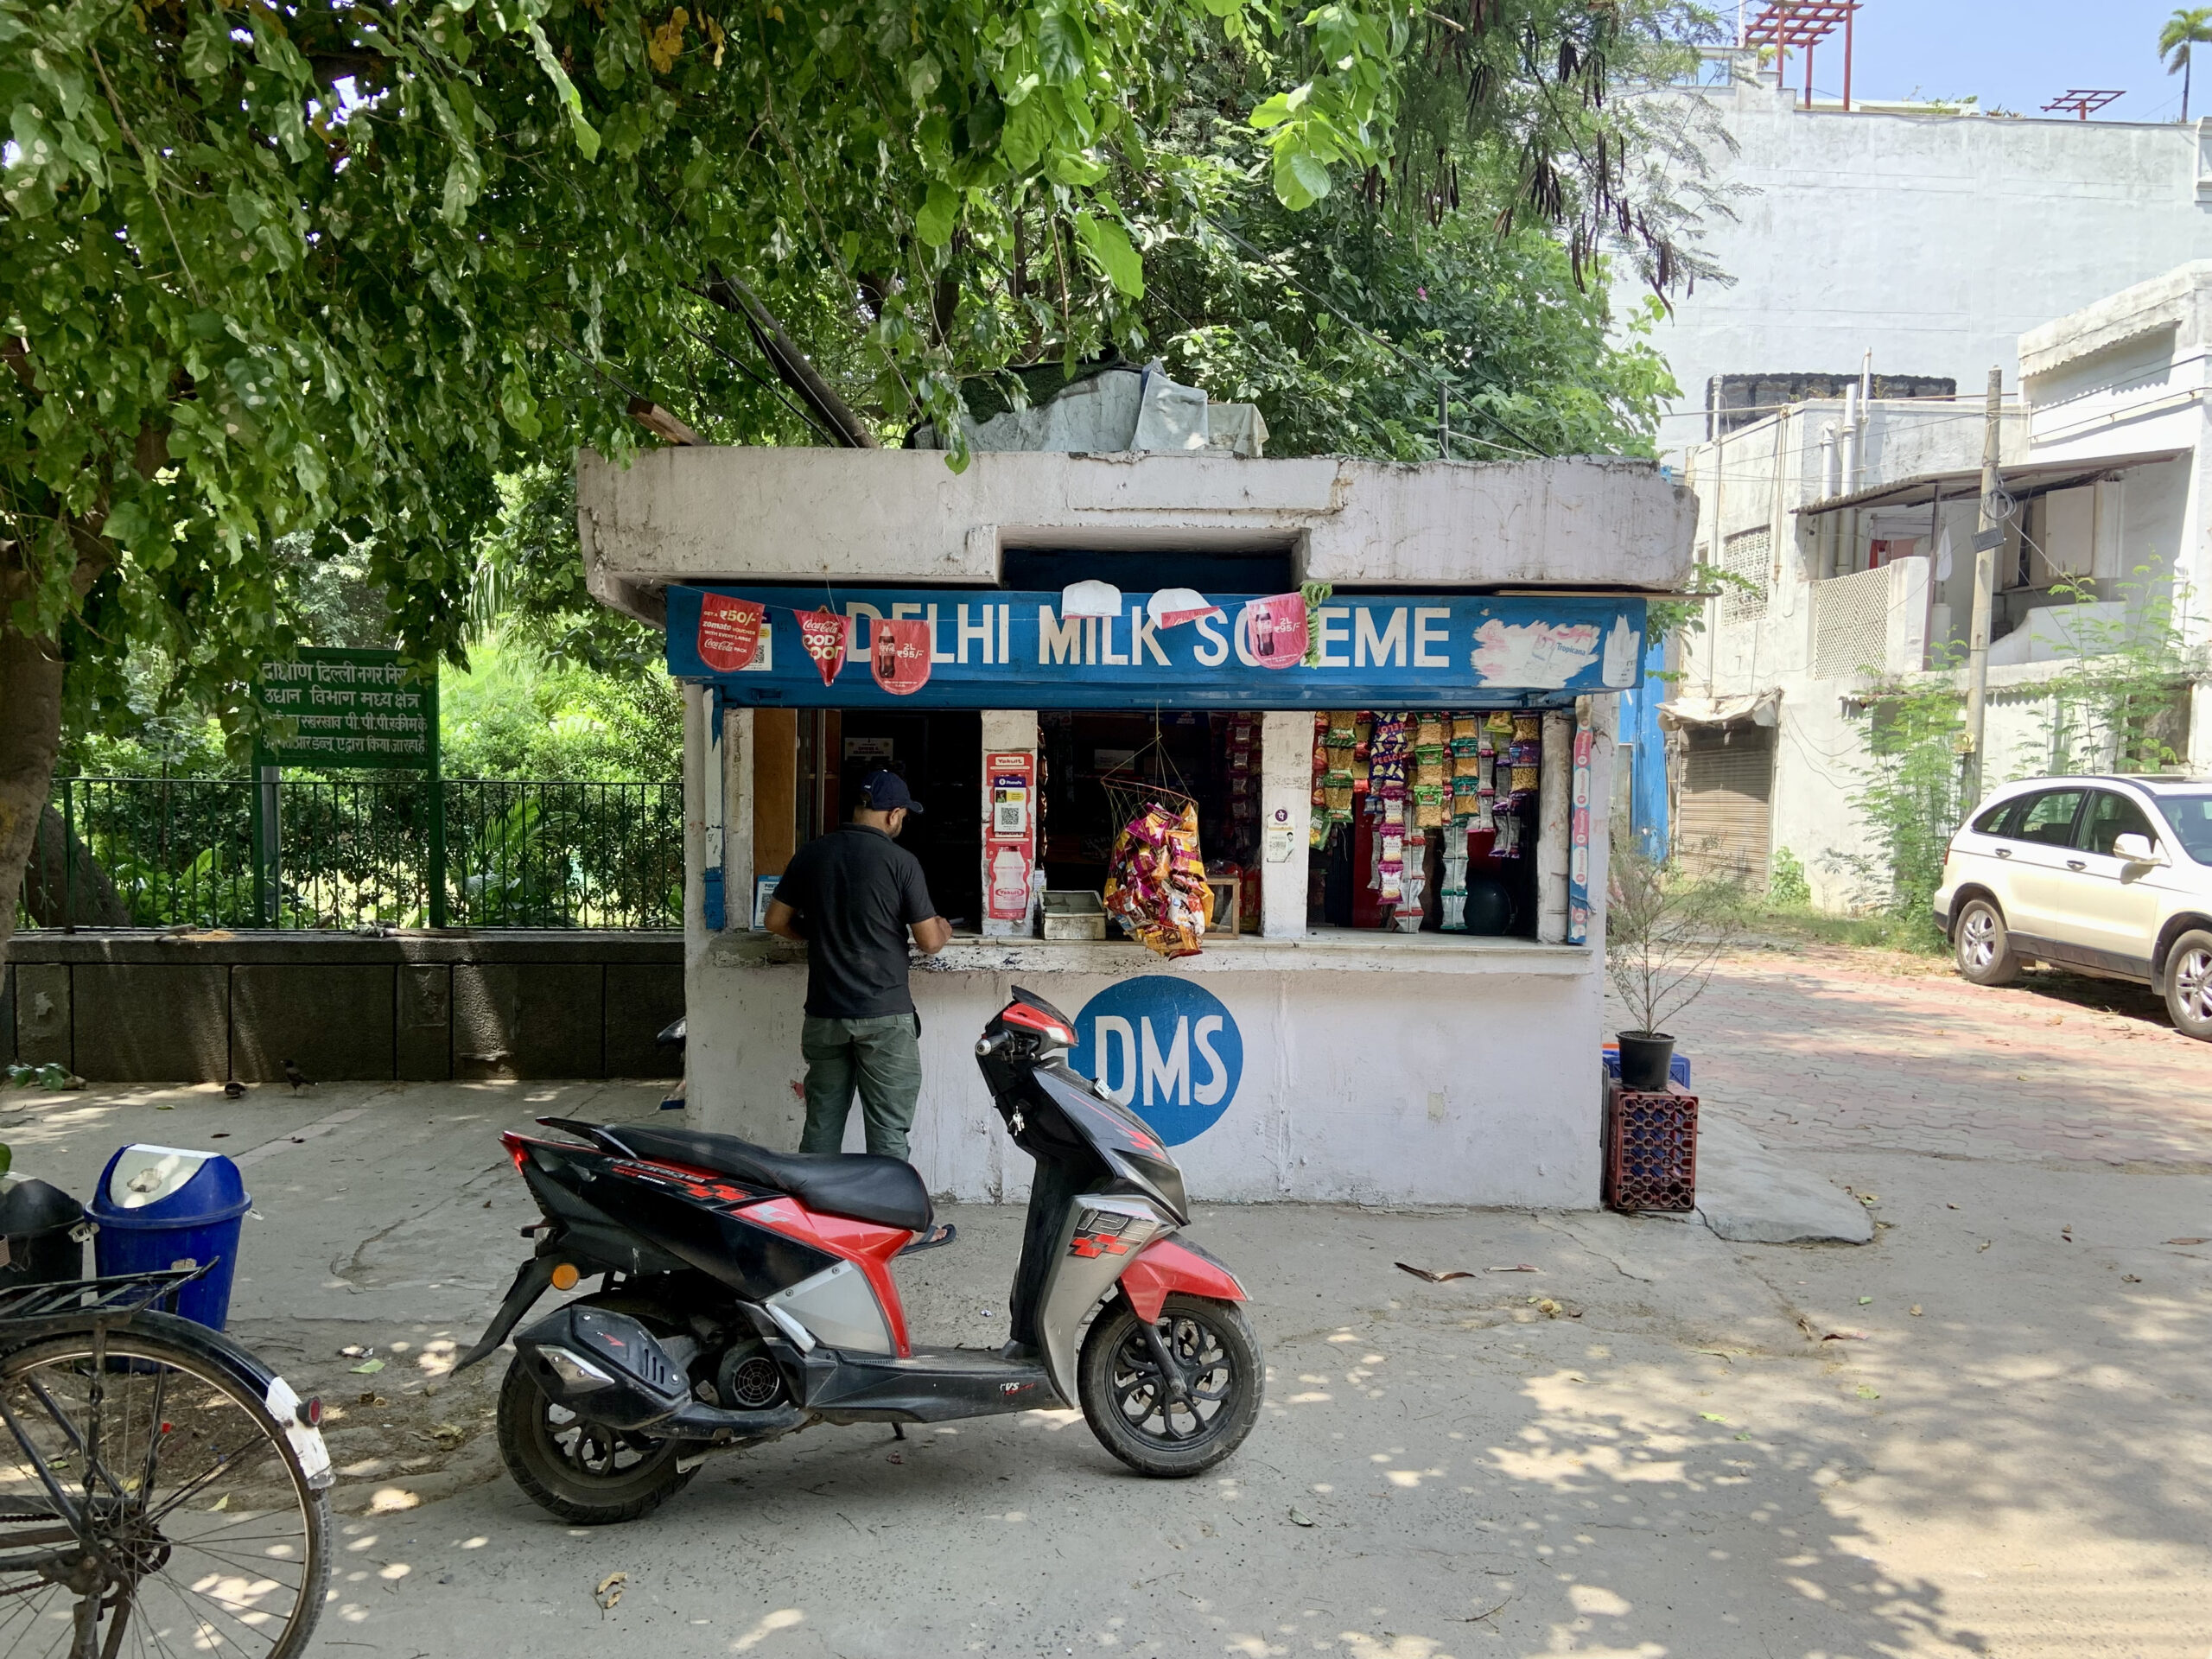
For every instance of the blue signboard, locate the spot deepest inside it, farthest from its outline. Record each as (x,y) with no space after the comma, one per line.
(992,648)
(1164,1048)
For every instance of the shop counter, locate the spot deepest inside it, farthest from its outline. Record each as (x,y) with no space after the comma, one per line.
(1321,949)
(1338,1066)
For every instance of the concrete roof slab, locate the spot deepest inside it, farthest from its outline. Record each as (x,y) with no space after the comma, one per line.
(903,517)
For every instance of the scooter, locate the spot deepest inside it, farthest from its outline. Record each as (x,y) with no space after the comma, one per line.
(744,1294)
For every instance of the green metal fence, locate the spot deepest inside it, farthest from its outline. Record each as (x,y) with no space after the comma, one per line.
(410,852)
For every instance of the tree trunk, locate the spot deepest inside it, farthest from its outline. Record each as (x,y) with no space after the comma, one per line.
(58,860)
(30,733)
(30,717)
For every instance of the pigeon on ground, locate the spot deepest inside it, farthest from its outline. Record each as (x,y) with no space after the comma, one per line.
(297,1077)
(233,1089)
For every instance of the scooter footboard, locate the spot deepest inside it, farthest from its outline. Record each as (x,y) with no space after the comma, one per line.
(1176,1264)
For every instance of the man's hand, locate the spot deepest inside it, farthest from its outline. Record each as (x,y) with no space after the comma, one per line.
(783,921)
(929,937)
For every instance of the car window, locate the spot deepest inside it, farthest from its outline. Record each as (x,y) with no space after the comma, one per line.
(1992,822)
(2109,818)
(2050,817)
(2191,817)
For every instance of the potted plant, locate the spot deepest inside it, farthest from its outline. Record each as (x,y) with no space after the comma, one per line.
(1664,928)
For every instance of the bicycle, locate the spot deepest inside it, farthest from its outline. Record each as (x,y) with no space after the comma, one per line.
(162,1491)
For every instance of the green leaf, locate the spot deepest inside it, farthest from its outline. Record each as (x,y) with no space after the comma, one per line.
(1272,111)
(587,139)
(1108,244)
(922,75)
(938,214)
(7,1158)
(1299,181)
(516,404)
(1063,47)
(206,44)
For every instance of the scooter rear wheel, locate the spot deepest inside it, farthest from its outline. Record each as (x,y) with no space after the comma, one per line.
(585,1472)
(1138,1419)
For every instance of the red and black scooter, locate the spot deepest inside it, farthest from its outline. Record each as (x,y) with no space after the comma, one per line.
(744,1294)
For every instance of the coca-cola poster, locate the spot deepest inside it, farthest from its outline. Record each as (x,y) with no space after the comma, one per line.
(1273,630)
(824,634)
(899,654)
(729,631)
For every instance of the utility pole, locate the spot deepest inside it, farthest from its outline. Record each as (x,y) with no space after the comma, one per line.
(1989,536)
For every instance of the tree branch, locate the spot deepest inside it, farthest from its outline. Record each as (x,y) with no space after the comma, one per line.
(790,364)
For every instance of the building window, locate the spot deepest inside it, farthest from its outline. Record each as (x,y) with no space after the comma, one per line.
(1745,556)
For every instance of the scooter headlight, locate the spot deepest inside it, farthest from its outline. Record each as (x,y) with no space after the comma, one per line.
(575,1370)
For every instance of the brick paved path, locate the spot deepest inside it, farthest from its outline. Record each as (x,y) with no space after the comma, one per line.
(1816,1046)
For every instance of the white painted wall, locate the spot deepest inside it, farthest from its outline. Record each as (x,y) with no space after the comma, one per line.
(1400,1070)
(1934,240)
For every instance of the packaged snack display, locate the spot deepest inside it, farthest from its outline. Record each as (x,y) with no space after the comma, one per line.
(1155,884)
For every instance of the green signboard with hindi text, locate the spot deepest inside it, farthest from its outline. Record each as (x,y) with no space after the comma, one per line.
(349,708)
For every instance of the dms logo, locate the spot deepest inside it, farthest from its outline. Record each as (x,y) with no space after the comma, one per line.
(1166,1048)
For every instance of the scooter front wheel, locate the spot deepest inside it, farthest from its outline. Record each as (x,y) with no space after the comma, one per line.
(1171,1428)
(585,1472)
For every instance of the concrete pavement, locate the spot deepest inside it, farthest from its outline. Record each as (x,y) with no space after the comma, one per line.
(1984,1433)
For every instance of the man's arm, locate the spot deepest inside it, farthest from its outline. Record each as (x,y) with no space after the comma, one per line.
(932,934)
(783,921)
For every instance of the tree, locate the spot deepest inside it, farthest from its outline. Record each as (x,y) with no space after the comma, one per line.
(332,268)
(2188,27)
(321,275)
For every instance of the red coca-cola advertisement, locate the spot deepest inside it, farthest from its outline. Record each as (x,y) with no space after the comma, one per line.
(899,653)
(1273,630)
(824,634)
(729,631)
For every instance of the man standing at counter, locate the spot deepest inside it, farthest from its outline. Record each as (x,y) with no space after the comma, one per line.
(853,896)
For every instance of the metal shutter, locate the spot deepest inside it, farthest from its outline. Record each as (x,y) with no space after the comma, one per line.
(1723,824)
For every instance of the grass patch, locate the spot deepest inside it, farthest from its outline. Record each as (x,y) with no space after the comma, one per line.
(1803,924)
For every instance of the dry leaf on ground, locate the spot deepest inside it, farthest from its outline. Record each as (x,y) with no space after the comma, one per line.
(610,1591)
(1432,1278)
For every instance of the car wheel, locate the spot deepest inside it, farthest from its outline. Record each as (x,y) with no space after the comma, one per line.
(2189,984)
(1980,945)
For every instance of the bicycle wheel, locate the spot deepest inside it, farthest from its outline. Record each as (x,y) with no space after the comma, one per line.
(149,1506)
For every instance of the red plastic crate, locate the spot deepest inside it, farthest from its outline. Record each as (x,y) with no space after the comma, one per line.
(1650,1150)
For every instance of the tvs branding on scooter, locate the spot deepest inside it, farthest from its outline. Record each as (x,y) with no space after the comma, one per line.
(1108,1232)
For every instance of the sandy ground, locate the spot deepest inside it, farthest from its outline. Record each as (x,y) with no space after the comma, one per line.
(1983,1433)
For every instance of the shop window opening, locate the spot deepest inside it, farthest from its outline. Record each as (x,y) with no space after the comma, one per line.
(1426,822)
(833,750)
(1102,770)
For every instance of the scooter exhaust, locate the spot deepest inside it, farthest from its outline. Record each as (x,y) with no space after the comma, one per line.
(609,1368)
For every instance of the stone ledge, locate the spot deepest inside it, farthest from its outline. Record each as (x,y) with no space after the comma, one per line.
(228,946)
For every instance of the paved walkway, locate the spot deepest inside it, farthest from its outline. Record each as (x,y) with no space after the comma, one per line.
(1819,1048)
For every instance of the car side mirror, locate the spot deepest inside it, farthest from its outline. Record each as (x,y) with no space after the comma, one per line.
(2135,849)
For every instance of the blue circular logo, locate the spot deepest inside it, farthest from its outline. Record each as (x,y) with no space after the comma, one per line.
(1164,1048)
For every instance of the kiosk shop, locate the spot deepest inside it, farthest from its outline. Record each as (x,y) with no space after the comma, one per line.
(1294,800)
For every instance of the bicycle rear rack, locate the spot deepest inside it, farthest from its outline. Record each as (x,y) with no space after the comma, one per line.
(122,1295)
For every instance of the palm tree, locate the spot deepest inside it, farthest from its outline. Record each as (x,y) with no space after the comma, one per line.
(2186,28)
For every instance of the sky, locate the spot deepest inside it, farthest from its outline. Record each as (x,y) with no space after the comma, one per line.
(2018,55)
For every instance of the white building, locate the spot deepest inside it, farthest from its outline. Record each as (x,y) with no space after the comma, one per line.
(1854,525)
(1299,1057)
(1931,240)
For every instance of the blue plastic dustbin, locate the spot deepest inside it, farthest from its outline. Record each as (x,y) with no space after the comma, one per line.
(161,1207)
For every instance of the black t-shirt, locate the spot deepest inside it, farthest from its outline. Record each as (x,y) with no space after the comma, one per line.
(856,892)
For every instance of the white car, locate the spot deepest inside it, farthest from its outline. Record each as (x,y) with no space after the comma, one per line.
(2110,876)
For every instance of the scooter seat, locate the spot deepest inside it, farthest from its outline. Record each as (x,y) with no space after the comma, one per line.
(857,1185)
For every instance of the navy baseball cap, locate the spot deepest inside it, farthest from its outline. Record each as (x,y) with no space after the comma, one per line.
(887,792)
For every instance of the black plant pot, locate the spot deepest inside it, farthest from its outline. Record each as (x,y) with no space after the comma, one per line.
(1645,1057)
